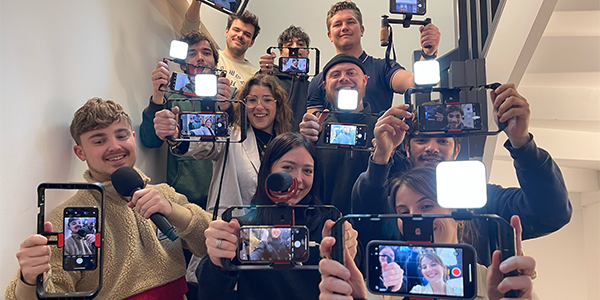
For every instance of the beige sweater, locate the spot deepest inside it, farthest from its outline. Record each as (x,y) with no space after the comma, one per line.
(134,259)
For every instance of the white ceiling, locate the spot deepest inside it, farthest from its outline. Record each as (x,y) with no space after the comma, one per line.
(562,85)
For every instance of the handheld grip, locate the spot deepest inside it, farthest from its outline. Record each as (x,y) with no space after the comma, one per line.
(384,36)
(506,234)
(337,251)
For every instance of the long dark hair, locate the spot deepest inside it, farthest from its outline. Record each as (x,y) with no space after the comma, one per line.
(422,180)
(278,147)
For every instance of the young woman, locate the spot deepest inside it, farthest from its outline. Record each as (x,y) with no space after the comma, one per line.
(414,193)
(268,114)
(292,153)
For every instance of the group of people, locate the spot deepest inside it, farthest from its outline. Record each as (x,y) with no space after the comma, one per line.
(286,114)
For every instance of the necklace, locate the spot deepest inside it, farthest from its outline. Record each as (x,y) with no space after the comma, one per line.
(260,142)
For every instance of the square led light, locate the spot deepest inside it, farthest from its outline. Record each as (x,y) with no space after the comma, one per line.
(426,72)
(347,99)
(461,184)
(178,49)
(205,85)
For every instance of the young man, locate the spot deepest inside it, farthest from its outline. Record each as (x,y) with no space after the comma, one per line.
(240,34)
(77,244)
(454,114)
(338,169)
(542,201)
(188,176)
(345,30)
(296,85)
(132,243)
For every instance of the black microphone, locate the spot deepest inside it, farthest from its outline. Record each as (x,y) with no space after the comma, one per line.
(279,181)
(127,181)
(281,187)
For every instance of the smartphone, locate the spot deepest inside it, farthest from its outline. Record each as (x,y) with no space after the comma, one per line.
(231,7)
(346,134)
(196,85)
(424,266)
(415,7)
(294,65)
(266,244)
(202,124)
(451,117)
(81,238)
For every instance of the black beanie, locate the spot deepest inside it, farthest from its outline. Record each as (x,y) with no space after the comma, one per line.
(341,58)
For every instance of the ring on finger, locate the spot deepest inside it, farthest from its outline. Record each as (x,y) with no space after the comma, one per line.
(218,245)
(532,276)
(267,65)
(349,233)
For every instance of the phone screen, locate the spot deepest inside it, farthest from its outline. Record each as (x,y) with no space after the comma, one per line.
(229,5)
(454,117)
(293,64)
(203,124)
(188,84)
(416,7)
(80,228)
(348,135)
(433,269)
(273,244)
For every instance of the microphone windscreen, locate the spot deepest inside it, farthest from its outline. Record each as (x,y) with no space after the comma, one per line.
(279,181)
(126,181)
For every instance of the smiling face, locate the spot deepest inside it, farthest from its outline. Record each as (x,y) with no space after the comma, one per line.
(75,225)
(299,163)
(428,152)
(431,268)
(239,37)
(345,31)
(344,75)
(107,149)
(454,119)
(411,202)
(261,116)
(275,232)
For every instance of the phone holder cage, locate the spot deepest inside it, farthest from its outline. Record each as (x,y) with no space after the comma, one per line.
(419,228)
(294,54)
(452,96)
(222,9)
(59,242)
(207,106)
(321,143)
(283,215)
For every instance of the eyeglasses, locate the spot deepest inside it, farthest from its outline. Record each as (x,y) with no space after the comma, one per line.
(266,101)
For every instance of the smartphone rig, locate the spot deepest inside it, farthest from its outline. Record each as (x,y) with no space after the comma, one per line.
(59,241)
(418,228)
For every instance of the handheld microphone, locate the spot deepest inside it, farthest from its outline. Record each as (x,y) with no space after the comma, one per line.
(127,181)
(281,186)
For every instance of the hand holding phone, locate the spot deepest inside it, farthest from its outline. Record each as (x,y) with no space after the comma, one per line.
(266,63)
(34,256)
(222,240)
(523,266)
(160,80)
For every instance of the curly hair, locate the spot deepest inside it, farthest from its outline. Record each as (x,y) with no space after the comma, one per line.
(343,5)
(283,114)
(293,32)
(96,114)
(248,18)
